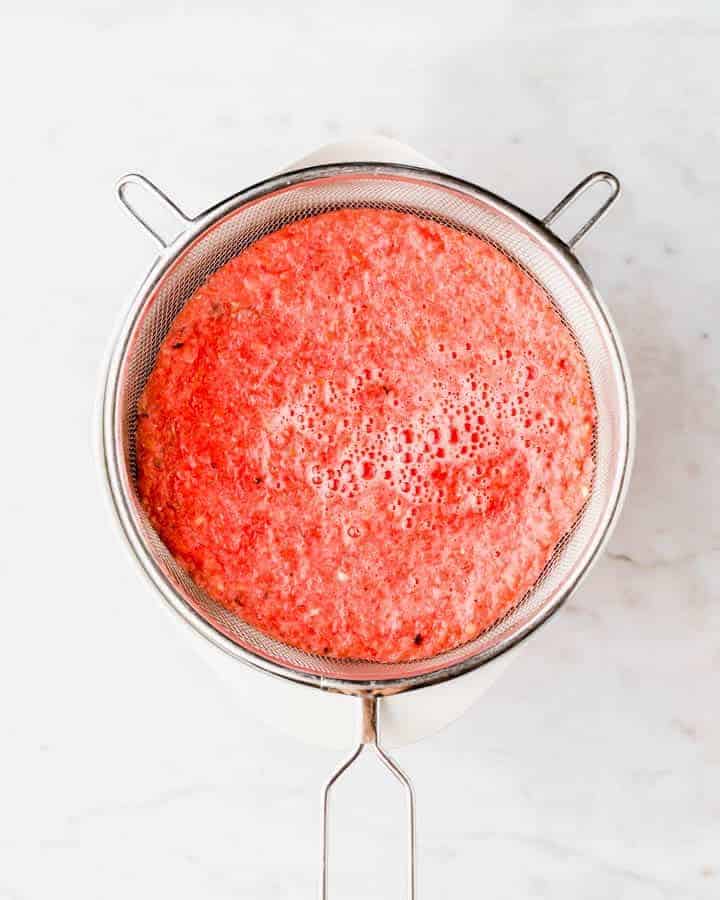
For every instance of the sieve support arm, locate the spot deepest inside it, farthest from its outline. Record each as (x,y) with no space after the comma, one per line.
(369,739)
(606,178)
(159,198)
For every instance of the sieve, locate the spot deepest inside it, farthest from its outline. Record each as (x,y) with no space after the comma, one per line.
(204,244)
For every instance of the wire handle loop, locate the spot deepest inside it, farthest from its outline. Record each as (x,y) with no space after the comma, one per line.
(575,194)
(369,739)
(134,178)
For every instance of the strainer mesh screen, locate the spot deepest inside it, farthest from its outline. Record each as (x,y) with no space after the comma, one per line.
(477,213)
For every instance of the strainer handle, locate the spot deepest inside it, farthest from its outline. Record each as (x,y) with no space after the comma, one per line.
(133,178)
(579,189)
(369,739)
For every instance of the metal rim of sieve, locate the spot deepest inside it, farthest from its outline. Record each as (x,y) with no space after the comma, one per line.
(557,253)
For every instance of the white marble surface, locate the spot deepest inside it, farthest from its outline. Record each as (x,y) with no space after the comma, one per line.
(592,769)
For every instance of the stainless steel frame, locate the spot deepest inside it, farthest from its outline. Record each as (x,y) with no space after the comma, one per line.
(558,255)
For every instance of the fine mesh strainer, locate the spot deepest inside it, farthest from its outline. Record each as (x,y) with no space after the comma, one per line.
(208,242)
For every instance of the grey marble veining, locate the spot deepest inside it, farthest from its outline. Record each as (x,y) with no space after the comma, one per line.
(592,769)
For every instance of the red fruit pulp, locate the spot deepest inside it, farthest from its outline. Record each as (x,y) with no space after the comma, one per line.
(366,434)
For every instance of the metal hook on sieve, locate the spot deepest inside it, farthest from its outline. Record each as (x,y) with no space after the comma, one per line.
(369,738)
(134,178)
(575,194)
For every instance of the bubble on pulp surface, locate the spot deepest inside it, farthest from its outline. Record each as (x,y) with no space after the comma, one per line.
(415,455)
